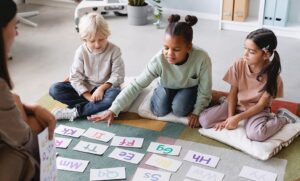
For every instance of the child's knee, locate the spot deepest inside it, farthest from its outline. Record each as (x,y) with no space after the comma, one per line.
(53,90)
(256,135)
(204,122)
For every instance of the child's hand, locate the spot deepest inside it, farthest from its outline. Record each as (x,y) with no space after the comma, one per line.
(98,94)
(220,125)
(107,115)
(193,121)
(232,122)
(87,96)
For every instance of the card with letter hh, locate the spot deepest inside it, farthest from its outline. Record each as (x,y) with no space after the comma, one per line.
(150,175)
(69,131)
(166,149)
(127,141)
(201,158)
(108,173)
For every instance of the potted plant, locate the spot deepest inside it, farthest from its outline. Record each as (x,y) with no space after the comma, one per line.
(157,13)
(137,12)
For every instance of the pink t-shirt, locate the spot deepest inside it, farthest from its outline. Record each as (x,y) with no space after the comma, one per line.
(240,76)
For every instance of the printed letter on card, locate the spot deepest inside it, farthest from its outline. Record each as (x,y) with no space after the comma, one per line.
(47,157)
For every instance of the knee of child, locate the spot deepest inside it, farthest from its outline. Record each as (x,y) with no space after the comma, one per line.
(53,90)
(203,122)
(256,136)
(180,110)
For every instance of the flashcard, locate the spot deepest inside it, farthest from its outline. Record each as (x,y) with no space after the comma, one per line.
(126,155)
(108,173)
(71,164)
(257,174)
(69,131)
(89,147)
(150,175)
(127,141)
(62,142)
(200,158)
(204,174)
(98,134)
(166,149)
(164,163)
(47,157)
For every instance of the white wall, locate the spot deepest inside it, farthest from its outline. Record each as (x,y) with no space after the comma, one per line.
(199,6)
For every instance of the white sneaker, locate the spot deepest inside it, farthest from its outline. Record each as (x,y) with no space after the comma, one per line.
(288,115)
(65,113)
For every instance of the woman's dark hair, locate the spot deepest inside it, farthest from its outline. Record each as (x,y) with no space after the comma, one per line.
(8,10)
(184,29)
(266,40)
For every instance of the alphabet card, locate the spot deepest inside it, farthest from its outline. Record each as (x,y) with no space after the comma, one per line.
(127,142)
(108,173)
(47,157)
(257,174)
(71,164)
(98,134)
(200,158)
(164,163)
(161,148)
(204,174)
(150,175)
(126,155)
(89,147)
(62,142)
(69,131)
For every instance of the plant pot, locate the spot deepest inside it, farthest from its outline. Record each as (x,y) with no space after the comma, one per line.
(137,15)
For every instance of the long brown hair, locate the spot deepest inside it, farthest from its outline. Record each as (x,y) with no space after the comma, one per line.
(8,10)
(266,40)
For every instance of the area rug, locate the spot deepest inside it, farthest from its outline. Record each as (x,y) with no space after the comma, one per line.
(286,164)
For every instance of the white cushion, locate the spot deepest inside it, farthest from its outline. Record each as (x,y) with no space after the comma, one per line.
(145,111)
(261,150)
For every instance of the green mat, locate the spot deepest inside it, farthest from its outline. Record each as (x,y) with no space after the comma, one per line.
(129,124)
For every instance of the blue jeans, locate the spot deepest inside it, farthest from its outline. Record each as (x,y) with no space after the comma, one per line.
(180,101)
(65,93)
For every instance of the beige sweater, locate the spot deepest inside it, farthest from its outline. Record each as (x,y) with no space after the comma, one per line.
(18,144)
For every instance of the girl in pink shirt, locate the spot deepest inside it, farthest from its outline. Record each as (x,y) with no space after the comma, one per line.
(254,81)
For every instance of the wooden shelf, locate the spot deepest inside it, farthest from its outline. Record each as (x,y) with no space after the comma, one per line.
(292,29)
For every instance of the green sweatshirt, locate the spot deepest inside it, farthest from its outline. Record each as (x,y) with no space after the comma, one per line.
(195,71)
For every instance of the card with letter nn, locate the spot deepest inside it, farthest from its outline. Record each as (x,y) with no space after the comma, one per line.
(69,131)
(150,175)
(127,141)
(98,134)
(162,148)
(108,173)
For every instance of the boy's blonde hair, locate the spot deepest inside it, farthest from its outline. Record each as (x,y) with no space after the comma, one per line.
(91,24)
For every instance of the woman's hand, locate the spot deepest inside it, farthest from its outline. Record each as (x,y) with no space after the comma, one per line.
(39,118)
(193,121)
(107,115)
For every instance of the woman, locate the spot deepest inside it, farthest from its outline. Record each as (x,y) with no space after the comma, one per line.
(19,123)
